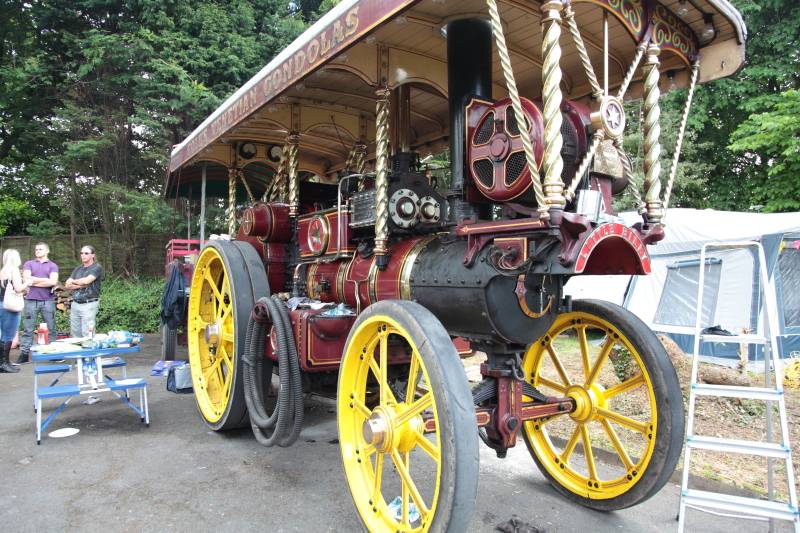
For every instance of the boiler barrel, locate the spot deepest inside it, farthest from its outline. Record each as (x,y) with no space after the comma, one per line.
(477,302)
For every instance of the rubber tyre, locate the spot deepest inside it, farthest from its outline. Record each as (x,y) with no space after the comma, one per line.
(169,342)
(670,413)
(248,282)
(453,409)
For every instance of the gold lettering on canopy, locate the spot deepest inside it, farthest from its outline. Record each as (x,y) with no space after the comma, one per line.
(330,40)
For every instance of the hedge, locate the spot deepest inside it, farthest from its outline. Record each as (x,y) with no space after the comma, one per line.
(125,304)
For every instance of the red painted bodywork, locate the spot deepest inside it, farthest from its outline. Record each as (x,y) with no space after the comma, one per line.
(613,249)
(336,242)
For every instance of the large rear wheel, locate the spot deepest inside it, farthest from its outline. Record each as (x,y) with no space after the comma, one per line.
(628,418)
(407,429)
(227,281)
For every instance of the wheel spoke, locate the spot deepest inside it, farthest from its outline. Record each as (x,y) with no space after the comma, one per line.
(428,447)
(413,370)
(612,434)
(625,386)
(559,367)
(226,357)
(409,484)
(368,450)
(376,488)
(208,371)
(220,377)
(416,408)
(587,452)
(623,420)
(570,446)
(379,371)
(227,336)
(383,380)
(598,364)
(584,343)
(404,490)
(226,311)
(213,284)
(359,406)
(541,380)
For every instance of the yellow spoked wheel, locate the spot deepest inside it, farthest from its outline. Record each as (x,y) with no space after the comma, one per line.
(406,429)
(621,442)
(227,280)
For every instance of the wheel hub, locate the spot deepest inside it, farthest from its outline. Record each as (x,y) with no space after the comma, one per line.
(381,430)
(377,429)
(587,400)
(213,334)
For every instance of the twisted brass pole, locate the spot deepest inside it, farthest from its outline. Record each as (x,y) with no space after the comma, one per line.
(626,81)
(516,105)
(551,96)
(583,53)
(279,192)
(360,157)
(627,171)
(382,173)
(652,133)
(673,170)
(231,201)
(250,196)
(597,138)
(294,178)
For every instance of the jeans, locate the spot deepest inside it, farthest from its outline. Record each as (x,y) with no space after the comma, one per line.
(82,317)
(30,316)
(9,323)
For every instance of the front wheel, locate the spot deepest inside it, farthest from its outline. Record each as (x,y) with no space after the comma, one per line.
(406,422)
(628,407)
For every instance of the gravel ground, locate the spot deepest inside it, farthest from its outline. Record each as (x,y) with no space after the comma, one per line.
(116,474)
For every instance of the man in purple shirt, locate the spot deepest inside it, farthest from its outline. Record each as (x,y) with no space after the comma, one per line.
(44,276)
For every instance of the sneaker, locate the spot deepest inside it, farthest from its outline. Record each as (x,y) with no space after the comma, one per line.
(23,359)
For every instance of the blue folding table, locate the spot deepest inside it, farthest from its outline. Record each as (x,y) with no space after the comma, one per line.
(90,380)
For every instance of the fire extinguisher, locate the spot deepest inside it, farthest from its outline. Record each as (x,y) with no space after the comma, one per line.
(43,334)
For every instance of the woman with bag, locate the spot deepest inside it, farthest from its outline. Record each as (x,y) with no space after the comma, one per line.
(11,289)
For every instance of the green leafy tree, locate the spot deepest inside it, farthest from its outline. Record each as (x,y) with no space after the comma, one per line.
(94,93)
(772,141)
(735,173)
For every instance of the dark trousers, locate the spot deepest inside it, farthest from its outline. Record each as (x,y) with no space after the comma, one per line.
(30,321)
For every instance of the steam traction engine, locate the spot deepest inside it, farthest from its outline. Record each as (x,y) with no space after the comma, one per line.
(407,264)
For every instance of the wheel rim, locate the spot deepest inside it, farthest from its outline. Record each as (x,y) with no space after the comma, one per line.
(211,328)
(386,450)
(615,406)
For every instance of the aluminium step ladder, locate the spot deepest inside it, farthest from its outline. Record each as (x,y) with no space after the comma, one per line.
(724,504)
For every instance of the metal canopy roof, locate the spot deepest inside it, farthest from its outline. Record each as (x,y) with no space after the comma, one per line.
(323,84)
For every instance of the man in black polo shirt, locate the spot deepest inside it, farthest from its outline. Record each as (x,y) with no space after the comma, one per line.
(84,282)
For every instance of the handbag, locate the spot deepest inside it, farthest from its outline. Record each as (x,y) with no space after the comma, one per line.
(12,300)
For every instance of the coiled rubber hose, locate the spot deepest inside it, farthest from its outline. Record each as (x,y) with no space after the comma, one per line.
(282,425)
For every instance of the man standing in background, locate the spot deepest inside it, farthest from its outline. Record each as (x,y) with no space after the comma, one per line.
(43,275)
(84,282)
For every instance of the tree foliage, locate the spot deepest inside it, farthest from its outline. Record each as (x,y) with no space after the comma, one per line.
(96,92)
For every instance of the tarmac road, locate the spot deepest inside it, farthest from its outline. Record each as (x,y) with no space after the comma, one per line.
(176,475)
